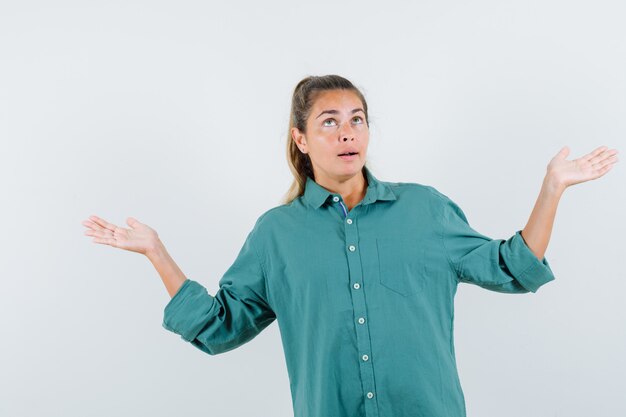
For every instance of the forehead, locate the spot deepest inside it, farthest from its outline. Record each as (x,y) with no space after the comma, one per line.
(336,100)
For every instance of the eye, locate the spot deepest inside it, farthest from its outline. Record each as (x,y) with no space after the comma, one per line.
(358,118)
(328,120)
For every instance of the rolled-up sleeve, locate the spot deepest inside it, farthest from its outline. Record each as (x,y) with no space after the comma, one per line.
(495,264)
(237,312)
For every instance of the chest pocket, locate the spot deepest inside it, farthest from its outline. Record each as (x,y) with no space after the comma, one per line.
(401,264)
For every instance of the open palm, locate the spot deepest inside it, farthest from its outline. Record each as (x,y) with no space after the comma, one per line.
(138,238)
(588,167)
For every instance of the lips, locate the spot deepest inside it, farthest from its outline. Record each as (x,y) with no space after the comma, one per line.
(348,152)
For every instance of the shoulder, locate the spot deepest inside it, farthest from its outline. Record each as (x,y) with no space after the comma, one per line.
(278,217)
(438,202)
(273,214)
(424,192)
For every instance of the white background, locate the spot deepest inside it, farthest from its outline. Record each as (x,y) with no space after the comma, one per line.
(176,113)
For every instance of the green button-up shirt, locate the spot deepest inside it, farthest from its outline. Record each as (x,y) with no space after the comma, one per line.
(364,298)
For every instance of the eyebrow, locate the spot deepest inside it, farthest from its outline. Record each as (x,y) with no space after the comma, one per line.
(337,112)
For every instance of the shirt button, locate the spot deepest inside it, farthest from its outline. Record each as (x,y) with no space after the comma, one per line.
(349,221)
(335,199)
(365,357)
(356,285)
(361,320)
(352,248)
(370,394)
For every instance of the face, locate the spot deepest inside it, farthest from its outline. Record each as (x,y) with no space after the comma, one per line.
(335,125)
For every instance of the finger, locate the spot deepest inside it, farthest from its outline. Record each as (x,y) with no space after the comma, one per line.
(603,171)
(603,156)
(609,160)
(600,171)
(104,241)
(100,230)
(594,152)
(103,223)
(94,226)
(88,223)
(99,233)
(132,222)
(563,152)
(605,162)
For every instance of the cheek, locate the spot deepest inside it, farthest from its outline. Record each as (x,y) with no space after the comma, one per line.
(322,147)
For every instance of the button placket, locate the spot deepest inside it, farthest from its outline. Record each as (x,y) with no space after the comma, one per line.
(360,313)
(342,206)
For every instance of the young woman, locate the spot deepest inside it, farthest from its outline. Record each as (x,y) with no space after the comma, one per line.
(360,273)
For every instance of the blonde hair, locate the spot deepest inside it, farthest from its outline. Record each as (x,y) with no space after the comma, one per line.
(304,96)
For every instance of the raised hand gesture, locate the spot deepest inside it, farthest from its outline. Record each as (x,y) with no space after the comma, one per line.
(563,172)
(139,238)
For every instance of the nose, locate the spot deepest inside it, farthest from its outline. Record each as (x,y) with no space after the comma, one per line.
(346,133)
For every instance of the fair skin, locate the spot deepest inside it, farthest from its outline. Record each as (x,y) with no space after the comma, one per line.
(560,174)
(337,123)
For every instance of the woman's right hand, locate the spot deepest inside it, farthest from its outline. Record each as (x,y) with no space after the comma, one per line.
(140,238)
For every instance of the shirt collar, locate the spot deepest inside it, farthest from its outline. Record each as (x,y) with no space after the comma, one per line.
(316,195)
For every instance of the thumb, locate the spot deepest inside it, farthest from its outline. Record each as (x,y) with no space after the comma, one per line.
(563,153)
(132,222)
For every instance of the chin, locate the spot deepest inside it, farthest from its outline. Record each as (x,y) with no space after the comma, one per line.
(353,169)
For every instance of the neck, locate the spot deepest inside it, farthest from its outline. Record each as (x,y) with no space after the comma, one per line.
(352,190)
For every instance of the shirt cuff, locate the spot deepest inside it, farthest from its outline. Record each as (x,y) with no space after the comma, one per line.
(529,271)
(185,314)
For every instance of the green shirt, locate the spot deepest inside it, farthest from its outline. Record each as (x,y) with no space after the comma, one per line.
(364,298)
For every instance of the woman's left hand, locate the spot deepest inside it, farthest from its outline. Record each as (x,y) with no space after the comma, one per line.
(562,173)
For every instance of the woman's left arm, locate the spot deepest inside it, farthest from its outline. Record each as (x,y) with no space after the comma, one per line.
(560,174)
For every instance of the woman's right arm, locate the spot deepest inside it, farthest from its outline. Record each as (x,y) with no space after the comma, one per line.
(237,312)
(170,273)
(142,239)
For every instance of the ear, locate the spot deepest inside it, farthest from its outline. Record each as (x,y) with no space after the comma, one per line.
(299,138)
